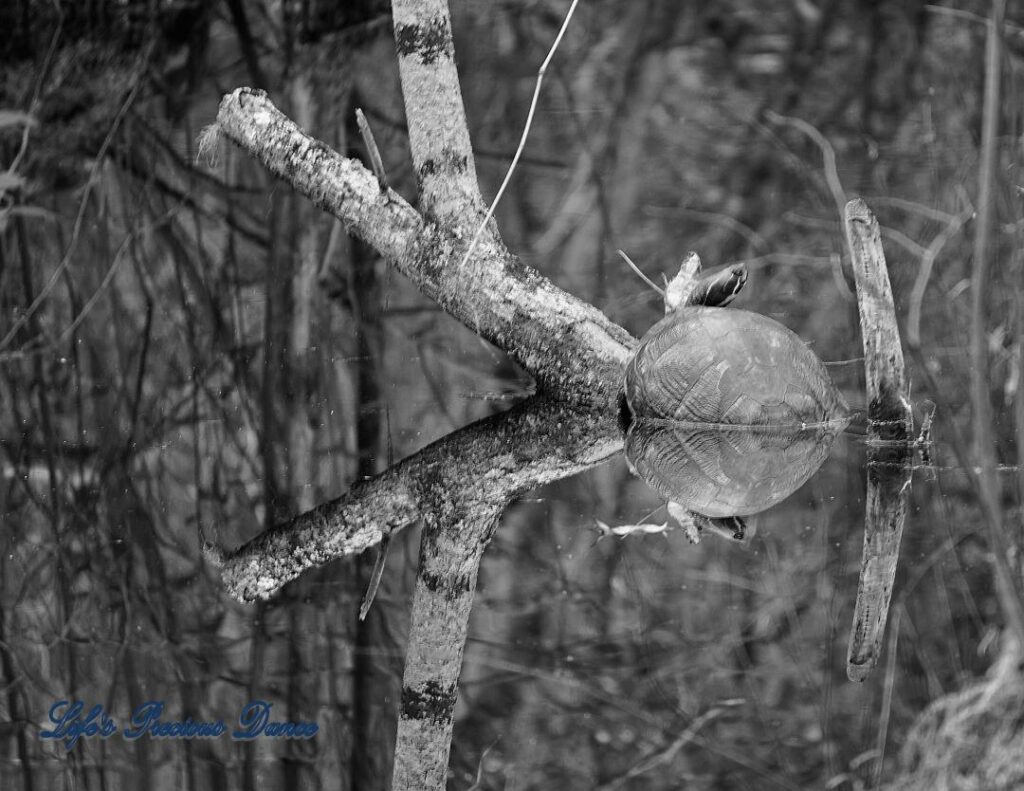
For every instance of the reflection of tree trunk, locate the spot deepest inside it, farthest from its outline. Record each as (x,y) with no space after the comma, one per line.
(981,406)
(38,384)
(298,388)
(449,561)
(276,364)
(458,487)
(17,710)
(522,605)
(276,407)
(377,667)
(257,648)
(143,765)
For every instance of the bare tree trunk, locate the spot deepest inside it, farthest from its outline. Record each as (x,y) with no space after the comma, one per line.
(981,405)
(17,710)
(377,671)
(299,366)
(450,555)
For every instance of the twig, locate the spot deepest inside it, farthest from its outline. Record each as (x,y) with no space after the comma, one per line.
(828,154)
(835,186)
(887,690)
(94,174)
(924,274)
(118,257)
(477,784)
(526,131)
(378,571)
(372,150)
(911,207)
(667,754)
(903,241)
(642,276)
(959,13)
(716,218)
(34,104)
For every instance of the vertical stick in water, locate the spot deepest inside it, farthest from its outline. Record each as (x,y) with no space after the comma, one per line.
(890,429)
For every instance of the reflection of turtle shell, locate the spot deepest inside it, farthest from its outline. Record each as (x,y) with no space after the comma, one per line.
(726,411)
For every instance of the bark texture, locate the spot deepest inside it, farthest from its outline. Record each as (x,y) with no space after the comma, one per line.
(450,555)
(438,133)
(460,485)
(491,460)
(574,351)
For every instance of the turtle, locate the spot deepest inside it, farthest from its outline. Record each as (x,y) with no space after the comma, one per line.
(724,412)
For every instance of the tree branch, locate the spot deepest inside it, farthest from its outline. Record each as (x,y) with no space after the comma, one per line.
(438,134)
(450,555)
(459,485)
(572,349)
(490,461)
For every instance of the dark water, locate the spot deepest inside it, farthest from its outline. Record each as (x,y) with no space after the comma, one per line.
(593,660)
(192,352)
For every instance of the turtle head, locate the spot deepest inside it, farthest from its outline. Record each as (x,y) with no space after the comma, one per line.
(720,288)
(733,527)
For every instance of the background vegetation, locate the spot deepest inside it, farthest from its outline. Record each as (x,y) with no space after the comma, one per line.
(187,347)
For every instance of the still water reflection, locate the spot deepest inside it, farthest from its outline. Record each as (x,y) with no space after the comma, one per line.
(593,661)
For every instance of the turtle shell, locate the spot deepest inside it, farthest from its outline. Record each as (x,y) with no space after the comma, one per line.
(729,412)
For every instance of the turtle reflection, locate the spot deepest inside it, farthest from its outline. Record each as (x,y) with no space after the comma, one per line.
(720,473)
(726,412)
